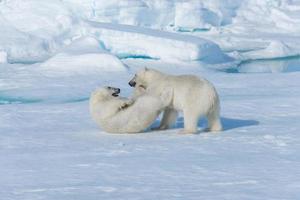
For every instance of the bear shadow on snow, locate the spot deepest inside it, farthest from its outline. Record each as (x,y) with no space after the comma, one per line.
(228,123)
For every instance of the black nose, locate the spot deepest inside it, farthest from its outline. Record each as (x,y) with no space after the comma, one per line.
(132,83)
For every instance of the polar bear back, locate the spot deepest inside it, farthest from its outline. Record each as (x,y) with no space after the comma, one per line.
(187,90)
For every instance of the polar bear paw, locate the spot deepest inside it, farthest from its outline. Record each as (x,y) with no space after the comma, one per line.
(159,128)
(126,104)
(184,132)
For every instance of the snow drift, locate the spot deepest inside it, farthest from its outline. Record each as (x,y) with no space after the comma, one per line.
(130,40)
(84,55)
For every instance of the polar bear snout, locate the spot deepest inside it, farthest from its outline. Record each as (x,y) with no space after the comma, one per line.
(115,91)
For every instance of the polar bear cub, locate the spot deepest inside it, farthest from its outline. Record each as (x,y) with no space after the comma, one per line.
(195,96)
(116,114)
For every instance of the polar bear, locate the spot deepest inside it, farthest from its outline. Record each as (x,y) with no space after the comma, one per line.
(115,114)
(195,96)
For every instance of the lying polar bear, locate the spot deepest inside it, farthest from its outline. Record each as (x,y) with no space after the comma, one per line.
(195,96)
(120,115)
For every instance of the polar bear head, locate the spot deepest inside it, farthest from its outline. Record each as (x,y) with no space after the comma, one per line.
(105,93)
(145,77)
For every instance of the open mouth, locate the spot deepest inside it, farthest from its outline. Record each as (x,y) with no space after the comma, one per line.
(115,94)
(115,91)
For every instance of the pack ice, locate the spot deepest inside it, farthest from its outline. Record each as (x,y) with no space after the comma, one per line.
(53,53)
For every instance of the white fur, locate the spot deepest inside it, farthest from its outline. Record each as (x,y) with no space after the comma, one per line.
(194,96)
(109,112)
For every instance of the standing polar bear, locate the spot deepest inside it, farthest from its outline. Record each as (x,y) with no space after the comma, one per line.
(120,115)
(196,97)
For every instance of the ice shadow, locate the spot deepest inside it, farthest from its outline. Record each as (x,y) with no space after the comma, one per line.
(228,123)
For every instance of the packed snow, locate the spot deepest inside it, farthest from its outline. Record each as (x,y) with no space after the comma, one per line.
(83,55)
(53,54)
(129,40)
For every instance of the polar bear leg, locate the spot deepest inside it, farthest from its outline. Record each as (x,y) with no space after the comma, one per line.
(190,121)
(169,118)
(214,122)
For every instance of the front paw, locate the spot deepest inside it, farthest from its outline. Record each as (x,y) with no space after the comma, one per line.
(184,132)
(125,105)
(129,102)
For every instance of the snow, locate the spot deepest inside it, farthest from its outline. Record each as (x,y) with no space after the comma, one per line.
(284,15)
(84,55)
(191,15)
(129,40)
(3,57)
(55,150)
(158,14)
(41,18)
(19,46)
(54,53)
(275,49)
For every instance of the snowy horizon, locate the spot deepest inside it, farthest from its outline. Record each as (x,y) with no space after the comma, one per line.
(54,53)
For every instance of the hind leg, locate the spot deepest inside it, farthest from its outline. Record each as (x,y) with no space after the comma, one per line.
(214,122)
(169,118)
(190,121)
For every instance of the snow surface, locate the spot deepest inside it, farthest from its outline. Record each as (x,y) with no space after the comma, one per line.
(129,40)
(3,57)
(84,55)
(54,53)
